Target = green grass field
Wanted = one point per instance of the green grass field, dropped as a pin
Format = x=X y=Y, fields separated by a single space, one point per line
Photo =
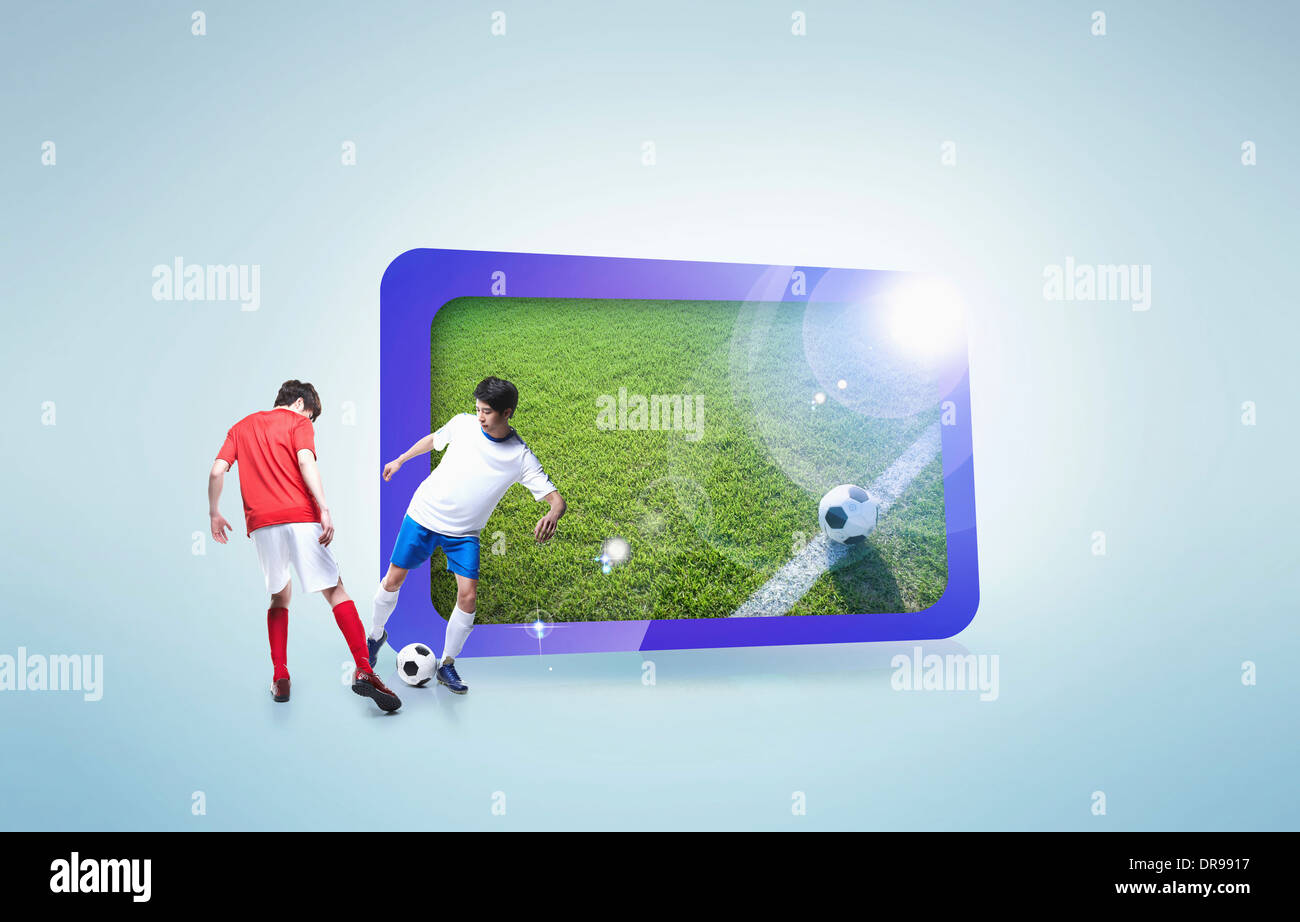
x=708 y=520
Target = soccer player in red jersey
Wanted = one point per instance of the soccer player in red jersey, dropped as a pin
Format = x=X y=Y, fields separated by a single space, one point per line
x=289 y=522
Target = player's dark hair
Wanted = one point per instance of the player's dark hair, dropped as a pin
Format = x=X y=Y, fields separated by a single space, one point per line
x=292 y=390
x=497 y=393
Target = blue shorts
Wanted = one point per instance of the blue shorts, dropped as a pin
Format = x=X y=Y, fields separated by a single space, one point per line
x=416 y=544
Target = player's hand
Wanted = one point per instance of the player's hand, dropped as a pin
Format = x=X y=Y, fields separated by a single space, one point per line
x=545 y=527
x=219 y=527
x=391 y=468
x=327 y=527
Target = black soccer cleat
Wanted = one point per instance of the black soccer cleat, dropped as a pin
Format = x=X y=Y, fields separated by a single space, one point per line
x=368 y=685
x=447 y=676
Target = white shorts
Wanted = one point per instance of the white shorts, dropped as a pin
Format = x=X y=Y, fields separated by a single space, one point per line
x=296 y=543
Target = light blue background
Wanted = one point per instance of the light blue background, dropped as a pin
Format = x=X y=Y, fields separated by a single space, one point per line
x=1118 y=673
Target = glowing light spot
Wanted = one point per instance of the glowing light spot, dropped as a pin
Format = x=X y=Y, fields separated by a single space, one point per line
x=819 y=398
x=841 y=384
x=617 y=550
x=925 y=317
x=612 y=553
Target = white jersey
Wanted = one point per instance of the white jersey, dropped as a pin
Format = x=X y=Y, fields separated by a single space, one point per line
x=460 y=493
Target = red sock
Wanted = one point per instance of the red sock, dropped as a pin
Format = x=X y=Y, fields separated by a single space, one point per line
x=277 y=630
x=349 y=622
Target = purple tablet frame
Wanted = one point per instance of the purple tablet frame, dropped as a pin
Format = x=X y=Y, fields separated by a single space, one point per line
x=418 y=282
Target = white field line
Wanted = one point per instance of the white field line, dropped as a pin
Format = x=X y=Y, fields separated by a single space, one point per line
x=788 y=585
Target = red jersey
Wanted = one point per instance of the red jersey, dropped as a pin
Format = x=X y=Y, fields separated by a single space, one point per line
x=266 y=445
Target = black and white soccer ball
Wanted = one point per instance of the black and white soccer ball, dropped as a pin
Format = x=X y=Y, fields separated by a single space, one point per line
x=415 y=664
x=847 y=514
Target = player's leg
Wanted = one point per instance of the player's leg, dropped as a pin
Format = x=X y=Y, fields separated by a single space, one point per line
x=349 y=622
x=384 y=603
x=319 y=572
x=462 y=616
x=277 y=632
x=282 y=598
x=413 y=546
x=274 y=556
x=462 y=561
x=459 y=624
x=364 y=680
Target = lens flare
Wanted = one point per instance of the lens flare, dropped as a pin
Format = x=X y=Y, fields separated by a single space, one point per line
x=925 y=317
x=613 y=552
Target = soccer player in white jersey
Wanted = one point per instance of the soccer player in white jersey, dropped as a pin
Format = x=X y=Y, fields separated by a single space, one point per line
x=485 y=455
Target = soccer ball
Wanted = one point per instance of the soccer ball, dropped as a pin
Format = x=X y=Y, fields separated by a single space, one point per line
x=848 y=514
x=415 y=664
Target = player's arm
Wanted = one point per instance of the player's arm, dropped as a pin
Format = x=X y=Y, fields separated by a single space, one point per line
x=217 y=521
x=546 y=524
x=311 y=477
x=422 y=447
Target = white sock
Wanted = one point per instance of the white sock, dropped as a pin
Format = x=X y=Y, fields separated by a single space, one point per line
x=385 y=602
x=458 y=627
